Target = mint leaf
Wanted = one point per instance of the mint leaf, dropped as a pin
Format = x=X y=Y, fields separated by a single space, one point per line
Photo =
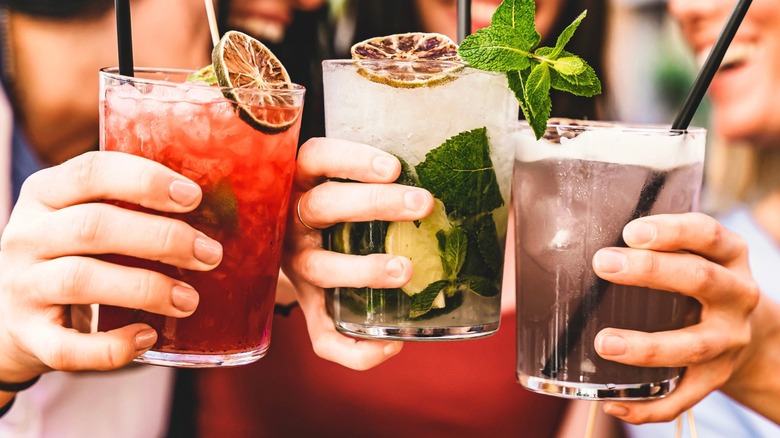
x=516 y=81
x=422 y=302
x=488 y=244
x=537 y=91
x=519 y=15
x=585 y=83
x=407 y=176
x=484 y=257
x=569 y=66
x=453 y=245
x=497 y=48
x=460 y=173
x=205 y=74
x=567 y=33
x=480 y=285
x=512 y=36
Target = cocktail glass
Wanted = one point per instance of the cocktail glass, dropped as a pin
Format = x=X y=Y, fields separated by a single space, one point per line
x=573 y=192
x=245 y=172
x=450 y=126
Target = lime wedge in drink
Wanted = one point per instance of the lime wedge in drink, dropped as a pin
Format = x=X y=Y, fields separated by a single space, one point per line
x=421 y=246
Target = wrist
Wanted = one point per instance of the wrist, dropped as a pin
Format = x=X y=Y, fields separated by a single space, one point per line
x=13 y=387
x=18 y=386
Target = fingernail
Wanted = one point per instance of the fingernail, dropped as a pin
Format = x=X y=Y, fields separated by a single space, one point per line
x=415 y=200
x=392 y=348
x=612 y=345
x=207 y=250
x=184 y=298
x=145 y=339
x=184 y=193
x=609 y=261
x=639 y=233
x=385 y=166
x=616 y=410
x=395 y=267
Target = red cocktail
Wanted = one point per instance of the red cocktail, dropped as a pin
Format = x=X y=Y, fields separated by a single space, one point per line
x=245 y=170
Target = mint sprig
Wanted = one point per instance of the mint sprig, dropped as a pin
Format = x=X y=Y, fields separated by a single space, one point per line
x=509 y=45
x=461 y=174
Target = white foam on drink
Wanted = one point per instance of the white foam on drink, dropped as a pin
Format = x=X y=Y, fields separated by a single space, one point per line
x=655 y=148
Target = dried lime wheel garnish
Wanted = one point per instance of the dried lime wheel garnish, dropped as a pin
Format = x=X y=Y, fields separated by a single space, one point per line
x=424 y=59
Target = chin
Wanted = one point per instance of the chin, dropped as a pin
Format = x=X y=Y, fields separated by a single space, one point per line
x=738 y=126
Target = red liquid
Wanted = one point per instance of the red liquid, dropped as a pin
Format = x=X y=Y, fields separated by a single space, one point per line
x=246 y=176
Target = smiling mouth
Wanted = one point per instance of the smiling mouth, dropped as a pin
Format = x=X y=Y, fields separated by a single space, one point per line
x=736 y=56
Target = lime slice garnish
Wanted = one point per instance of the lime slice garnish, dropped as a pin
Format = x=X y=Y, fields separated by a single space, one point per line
x=341 y=237
x=421 y=246
x=242 y=62
x=411 y=47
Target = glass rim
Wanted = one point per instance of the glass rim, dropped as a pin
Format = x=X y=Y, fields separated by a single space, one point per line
x=113 y=73
x=581 y=125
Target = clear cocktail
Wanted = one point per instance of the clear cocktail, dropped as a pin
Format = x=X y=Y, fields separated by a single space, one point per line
x=573 y=192
x=245 y=171
x=450 y=125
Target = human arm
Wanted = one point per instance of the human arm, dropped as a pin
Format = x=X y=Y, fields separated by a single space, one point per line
x=753 y=383
x=691 y=254
x=324 y=202
x=49 y=274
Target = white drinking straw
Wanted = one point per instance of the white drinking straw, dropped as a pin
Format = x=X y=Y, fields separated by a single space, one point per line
x=212 y=21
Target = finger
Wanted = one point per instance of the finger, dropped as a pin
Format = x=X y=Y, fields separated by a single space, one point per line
x=329 y=269
x=331 y=345
x=68 y=350
x=85 y=280
x=693 y=232
x=106 y=229
x=334 y=202
x=96 y=176
x=320 y=158
x=679 y=348
x=684 y=273
x=694 y=386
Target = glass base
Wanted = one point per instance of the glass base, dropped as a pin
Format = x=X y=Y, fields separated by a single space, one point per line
x=189 y=360
x=395 y=333
x=593 y=391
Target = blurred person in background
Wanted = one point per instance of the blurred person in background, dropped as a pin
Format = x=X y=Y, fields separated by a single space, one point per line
x=743 y=177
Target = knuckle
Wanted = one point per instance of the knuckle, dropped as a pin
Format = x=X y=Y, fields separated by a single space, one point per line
x=118 y=354
x=712 y=232
x=376 y=197
x=703 y=276
x=37 y=180
x=84 y=169
x=360 y=364
x=648 y=353
x=89 y=224
x=663 y=415
x=647 y=263
x=698 y=352
x=312 y=268
x=170 y=234
x=752 y=294
x=144 y=286
x=75 y=276
x=12 y=238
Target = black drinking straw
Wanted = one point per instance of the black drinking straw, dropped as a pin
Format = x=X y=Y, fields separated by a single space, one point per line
x=464 y=19
x=124 y=37
x=576 y=325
